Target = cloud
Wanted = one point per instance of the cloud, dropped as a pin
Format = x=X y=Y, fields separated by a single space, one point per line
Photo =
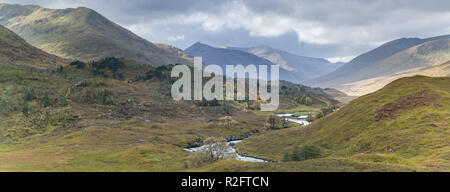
x=175 y=38
x=326 y=28
x=340 y=59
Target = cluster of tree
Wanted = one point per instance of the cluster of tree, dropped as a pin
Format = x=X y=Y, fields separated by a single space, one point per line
x=111 y=63
x=305 y=100
x=104 y=97
x=304 y=153
x=276 y=122
x=78 y=64
x=206 y=103
x=325 y=111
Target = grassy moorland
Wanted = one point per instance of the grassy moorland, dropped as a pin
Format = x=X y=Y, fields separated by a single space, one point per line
x=115 y=115
x=399 y=125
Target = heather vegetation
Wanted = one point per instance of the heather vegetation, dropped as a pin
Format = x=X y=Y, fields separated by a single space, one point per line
x=104 y=104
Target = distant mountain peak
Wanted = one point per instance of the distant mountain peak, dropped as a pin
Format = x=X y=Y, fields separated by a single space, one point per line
x=82 y=34
x=394 y=59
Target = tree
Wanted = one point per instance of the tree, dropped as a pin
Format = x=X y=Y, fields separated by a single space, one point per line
x=26 y=110
x=273 y=121
x=284 y=122
x=228 y=120
x=310 y=118
x=226 y=107
x=78 y=64
x=308 y=101
x=28 y=95
x=218 y=149
x=46 y=100
x=214 y=150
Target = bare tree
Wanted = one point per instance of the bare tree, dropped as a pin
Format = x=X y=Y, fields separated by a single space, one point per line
x=228 y=120
x=310 y=118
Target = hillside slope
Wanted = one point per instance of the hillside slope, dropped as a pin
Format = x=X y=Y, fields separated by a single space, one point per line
x=305 y=67
x=369 y=85
x=407 y=122
x=224 y=56
x=14 y=50
x=81 y=34
x=390 y=58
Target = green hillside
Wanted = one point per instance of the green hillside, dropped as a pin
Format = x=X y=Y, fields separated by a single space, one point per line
x=112 y=114
x=14 y=50
x=81 y=34
x=405 y=123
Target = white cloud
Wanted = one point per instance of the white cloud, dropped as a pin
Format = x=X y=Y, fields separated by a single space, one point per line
x=348 y=27
x=341 y=59
x=175 y=38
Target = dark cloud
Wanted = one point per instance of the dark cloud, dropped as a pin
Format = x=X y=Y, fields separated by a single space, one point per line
x=320 y=28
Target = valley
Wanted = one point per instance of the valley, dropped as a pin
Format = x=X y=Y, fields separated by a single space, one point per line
x=80 y=93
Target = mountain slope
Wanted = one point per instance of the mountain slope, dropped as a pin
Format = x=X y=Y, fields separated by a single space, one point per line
x=305 y=67
x=224 y=56
x=406 y=122
x=369 y=85
x=390 y=58
x=16 y=51
x=82 y=34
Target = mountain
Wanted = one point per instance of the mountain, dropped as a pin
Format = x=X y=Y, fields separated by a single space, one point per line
x=393 y=57
x=369 y=85
x=405 y=123
x=305 y=67
x=16 y=51
x=225 y=56
x=81 y=34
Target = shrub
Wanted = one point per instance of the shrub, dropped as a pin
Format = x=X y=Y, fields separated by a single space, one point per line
x=198 y=159
x=26 y=110
x=46 y=100
x=273 y=121
x=106 y=97
x=28 y=94
x=78 y=64
x=304 y=153
x=214 y=150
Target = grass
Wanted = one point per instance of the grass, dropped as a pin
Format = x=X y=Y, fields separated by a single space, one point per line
x=151 y=135
x=143 y=129
x=419 y=135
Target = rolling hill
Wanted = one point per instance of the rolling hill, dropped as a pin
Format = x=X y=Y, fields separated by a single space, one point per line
x=399 y=56
x=16 y=51
x=111 y=114
x=81 y=34
x=404 y=123
x=304 y=67
x=225 y=56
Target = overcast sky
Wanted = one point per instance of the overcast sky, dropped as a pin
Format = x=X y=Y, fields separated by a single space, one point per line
x=338 y=29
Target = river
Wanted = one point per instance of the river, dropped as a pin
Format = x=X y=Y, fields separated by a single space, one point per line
x=300 y=120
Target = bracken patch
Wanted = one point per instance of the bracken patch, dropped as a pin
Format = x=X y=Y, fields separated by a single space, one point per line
x=390 y=110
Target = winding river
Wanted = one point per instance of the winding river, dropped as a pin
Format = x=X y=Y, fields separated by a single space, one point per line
x=300 y=120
